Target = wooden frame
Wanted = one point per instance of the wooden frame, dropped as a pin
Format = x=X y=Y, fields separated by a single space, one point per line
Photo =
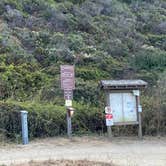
x=124 y=88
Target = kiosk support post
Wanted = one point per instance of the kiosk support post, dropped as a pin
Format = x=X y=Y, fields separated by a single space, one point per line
x=139 y=118
x=109 y=130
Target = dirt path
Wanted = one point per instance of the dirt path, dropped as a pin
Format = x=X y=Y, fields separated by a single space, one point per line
x=121 y=151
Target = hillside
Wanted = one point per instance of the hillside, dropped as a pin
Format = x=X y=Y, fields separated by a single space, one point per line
x=110 y=39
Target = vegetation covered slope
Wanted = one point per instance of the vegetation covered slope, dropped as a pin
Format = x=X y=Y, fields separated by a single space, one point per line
x=110 y=39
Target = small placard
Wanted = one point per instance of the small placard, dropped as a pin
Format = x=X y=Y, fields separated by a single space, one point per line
x=108 y=110
x=68 y=103
x=109 y=120
x=139 y=108
x=136 y=92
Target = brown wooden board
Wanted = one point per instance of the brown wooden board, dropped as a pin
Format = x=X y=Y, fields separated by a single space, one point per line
x=67 y=77
x=68 y=94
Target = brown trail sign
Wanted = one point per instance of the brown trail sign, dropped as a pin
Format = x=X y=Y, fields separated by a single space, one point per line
x=67 y=77
x=68 y=85
x=68 y=94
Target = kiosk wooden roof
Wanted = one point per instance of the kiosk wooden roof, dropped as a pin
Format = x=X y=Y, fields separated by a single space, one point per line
x=122 y=84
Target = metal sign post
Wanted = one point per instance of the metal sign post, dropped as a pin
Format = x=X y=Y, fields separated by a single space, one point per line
x=68 y=85
x=24 y=127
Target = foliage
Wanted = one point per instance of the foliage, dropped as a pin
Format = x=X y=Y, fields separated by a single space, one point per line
x=110 y=39
x=150 y=60
x=48 y=119
x=41 y=119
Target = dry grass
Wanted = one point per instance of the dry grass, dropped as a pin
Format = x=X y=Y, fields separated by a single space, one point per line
x=65 y=163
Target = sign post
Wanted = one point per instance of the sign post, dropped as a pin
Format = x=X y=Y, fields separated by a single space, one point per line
x=69 y=125
x=24 y=124
x=109 y=120
x=68 y=85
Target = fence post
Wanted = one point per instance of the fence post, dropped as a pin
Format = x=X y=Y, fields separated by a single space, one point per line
x=24 y=124
x=139 y=117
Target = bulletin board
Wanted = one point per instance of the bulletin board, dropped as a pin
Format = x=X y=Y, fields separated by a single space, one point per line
x=123 y=107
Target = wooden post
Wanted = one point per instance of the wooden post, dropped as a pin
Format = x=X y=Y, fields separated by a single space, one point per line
x=139 y=118
x=109 y=129
x=140 y=126
x=69 y=125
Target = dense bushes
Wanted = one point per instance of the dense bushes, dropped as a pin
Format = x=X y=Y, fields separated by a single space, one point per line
x=154 y=118
x=43 y=120
x=48 y=120
x=20 y=78
x=10 y=120
x=110 y=39
x=150 y=60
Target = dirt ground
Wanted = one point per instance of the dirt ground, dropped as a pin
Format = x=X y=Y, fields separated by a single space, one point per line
x=121 y=151
x=65 y=163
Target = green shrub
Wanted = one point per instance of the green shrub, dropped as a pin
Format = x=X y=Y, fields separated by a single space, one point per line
x=10 y=123
x=148 y=60
x=106 y=39
x=91 y=73
x=149 y=116
x=158 y=41
x=88 y=119
x=48 y=120
x=43 y=120
x=75 y=42
x=86 y=91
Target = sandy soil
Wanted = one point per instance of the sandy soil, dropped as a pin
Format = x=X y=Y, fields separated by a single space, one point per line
x=65 y=163
x=120 y=151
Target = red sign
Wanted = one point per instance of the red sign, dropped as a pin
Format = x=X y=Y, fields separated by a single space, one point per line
x=67 y=77
x=108 y=116
x=109 y=120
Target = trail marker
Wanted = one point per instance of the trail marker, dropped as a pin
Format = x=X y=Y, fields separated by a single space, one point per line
x=67 y=77
x=68 y=85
